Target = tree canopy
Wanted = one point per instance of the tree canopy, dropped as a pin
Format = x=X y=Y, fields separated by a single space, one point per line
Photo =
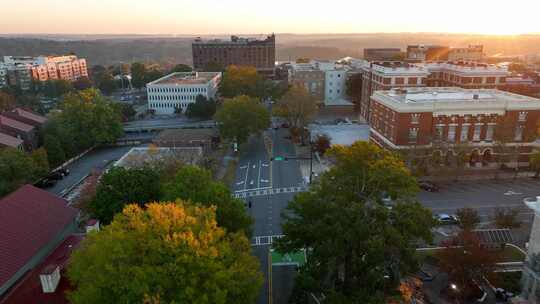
x=165 y=253
x=240 y=117
x=465 y=260
x=202 y=108
x=120 y=187
x=18 y=168
x=86 y=119
x=181 y=68
x=297 y=106
x=240 y=80
x=356 y=247
x=195 y=184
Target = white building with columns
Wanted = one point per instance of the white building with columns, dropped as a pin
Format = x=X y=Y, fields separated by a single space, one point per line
x=178 y=90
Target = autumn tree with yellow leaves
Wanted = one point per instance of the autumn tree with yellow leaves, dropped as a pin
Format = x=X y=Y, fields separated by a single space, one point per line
x=166 y=253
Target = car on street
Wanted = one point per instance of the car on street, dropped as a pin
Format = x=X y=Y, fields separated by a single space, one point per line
x=45 y=183
x=63 y=171
x=285 y=125
x=446 y=219
x=55 y=175
x=429 y=187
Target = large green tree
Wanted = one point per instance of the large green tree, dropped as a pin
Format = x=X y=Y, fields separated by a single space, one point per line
x=202 y=108
x=138 y=75
x=240 y=80
x=240 y=117
x=357 y=248
x=165 y=253
x=195 y=184
x=298 y=107
x=18 y=168
x=120 y=187
x=181 y=68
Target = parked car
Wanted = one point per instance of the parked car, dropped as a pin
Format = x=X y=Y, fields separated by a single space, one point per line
x=45 y=183
x=285 y=125
x=429 y=187
x=63 y=171
x=55 y=175
x=446 y=219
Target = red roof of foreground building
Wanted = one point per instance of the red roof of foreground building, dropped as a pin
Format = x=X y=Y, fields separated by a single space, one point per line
x=29 y=290
x=10 y=141
x=38 y=119
x=6 y=121
x=30 y=218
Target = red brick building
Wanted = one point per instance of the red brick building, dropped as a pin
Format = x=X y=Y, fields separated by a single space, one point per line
x=25 y=132
x=260 y=54
x=394 y=75
x=416 y=118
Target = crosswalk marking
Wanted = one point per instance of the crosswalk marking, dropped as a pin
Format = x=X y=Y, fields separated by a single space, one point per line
x=270 y=191
x=264 y=240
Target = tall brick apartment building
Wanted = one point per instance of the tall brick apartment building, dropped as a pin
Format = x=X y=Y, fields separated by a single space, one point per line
x=416 y=118
x=260 y=54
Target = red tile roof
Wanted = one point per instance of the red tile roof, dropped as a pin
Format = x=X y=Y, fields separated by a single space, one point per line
x=30 y=218
x=30 y=115
x=10 y=141
x=29 y=290
x=15 y=124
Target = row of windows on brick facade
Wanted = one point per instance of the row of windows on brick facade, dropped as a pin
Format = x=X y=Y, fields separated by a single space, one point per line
x=415 y=117
x=464 y=133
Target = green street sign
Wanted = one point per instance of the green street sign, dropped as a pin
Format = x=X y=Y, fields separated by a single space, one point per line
x=297 y=258
x=279 y=158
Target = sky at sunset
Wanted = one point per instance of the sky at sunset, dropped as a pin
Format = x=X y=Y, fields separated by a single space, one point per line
x=257 y=16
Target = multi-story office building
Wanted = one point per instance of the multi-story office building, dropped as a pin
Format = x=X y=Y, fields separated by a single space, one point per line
x=381 y=54
x=419 y=53
x=386 y=75
x=176 y=91
x=324 y=80
x=19 y=75
x=3 y=75
x=44 y=68
x=414 y=118
x=310 y=77
x=469 y=75
x=260 y=54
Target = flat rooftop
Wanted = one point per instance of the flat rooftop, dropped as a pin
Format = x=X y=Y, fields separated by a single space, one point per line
x=186 y=78
x=436 y=98
x=452 y=94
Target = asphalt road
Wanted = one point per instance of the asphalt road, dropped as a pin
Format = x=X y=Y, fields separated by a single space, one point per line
x=482 y=195
x=256 y=172
x=98 y=158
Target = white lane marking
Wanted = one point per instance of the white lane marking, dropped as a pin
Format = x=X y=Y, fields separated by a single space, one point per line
x=251 y=182
x=511 y=192
x=264 y=181
x=247 y=173
x=265 y=165
x=240 y=182
x=243 y=167
x=259 y=177
x=254 y=166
